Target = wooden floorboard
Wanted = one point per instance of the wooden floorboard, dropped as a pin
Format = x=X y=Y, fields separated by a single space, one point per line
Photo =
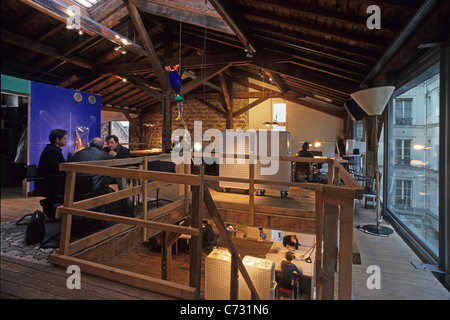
x=25 y=280
x=399 y=279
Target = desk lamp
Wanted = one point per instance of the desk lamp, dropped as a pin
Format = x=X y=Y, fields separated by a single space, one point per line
x=373 y=101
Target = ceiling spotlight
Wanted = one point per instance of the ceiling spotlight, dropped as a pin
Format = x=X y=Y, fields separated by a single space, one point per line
x=80 y=32
x=120 y=49
x=124 y=79
x=261 y=74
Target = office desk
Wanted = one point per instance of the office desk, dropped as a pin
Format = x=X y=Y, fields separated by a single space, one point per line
x=308 y=269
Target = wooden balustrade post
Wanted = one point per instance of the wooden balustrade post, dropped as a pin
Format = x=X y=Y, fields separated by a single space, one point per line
x=336 y=176
x=251 y=193
x=144 y=198
x=234 y=283
x=196 y=241
x=187 y=170
x=330 y=171
x=319 y=239
x=166 y=257
x=345 y=251
x=66 y=223
x=330 y=221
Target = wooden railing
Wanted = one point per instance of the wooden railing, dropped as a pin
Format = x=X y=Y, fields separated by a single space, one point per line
x=333 y=210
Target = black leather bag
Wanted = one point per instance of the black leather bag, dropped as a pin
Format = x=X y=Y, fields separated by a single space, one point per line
x=36 y=228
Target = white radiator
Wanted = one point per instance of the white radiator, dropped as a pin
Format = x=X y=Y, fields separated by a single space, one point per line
x=262 y=274
x=217 y=274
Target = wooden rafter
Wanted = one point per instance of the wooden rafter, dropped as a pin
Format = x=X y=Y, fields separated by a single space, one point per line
x=313 y=77
x=182 y=11
x=133 y=124
x=316 y=28
x=213 y=107
x=41 y=48
x=226 y=93
x=148 y=45
x=235 y=21
x=207 y=83
x=248 y=107
x=302 y=9
x=144 y=86
x=204 y=76
x=278 y=82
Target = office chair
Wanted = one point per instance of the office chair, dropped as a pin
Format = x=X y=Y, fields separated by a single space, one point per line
x=288 y=290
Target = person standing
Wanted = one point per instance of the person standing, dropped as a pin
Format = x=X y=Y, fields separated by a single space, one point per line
x=341 y=145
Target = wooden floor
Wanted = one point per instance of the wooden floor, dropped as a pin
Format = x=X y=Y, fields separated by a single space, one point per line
x=25 y=280
x=298 y=198
x=399 y=279
x=142 y=260
x=14 y=205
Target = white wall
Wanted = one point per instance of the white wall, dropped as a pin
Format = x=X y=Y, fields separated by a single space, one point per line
x=303 y=123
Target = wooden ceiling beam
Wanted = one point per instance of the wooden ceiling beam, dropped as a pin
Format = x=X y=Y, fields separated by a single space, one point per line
x=310 y=76
x=226 y=93
x=317 y=107
x=248 y=107
x=121 y=110
x=144 y=85
x=41 y=48
x=148 y=45
x=181 y=11
x=207 y=83
x=278 y=82
x=317 y=46
x=58 y=9
x=234 y=95
x=213 y=107
x=133 y=125
x=404 y=5
x=364 y=40
x=302 y=9
x=236 y=23
x=204 y=76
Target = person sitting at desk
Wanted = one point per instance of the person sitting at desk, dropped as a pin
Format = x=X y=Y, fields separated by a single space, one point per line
x=116 y=150
x=291 y=241
x=208 y=232
x=48 y=166
x=304 y=152
x=95 y=152
x=289 y=271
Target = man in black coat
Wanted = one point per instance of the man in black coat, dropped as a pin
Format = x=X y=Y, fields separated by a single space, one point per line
x=116 y=150
x=95 y=152
x=48 y=166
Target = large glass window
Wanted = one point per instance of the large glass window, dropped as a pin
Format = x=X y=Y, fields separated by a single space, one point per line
x=413 y=148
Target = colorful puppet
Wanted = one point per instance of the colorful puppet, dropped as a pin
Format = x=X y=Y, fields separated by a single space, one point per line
x=175 y=83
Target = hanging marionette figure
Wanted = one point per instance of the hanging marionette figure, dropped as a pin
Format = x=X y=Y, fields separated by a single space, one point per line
x=175 y=83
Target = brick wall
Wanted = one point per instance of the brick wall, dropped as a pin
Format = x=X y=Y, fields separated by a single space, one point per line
x=194 y=110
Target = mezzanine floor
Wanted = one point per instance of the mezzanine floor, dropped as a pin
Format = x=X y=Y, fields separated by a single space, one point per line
x=399 y=279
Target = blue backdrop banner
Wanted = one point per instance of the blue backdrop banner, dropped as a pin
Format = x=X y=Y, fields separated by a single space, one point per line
x=58 y=108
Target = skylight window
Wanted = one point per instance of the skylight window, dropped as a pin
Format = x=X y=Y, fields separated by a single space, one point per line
x=88 y=4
